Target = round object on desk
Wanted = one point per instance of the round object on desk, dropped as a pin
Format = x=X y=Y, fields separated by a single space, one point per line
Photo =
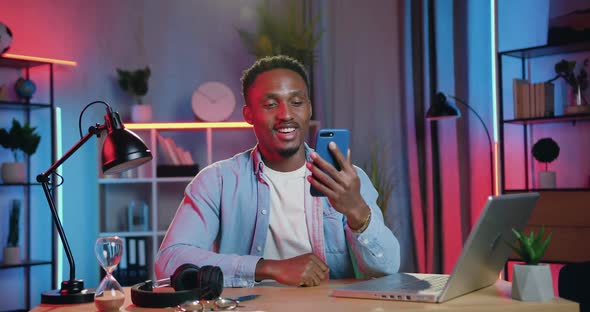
x=213 y=101
x=25 y=88
x=5 y=38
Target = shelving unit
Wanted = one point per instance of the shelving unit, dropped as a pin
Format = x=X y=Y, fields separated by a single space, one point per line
x=161 y=194
x=561 y=210
x=33 y=210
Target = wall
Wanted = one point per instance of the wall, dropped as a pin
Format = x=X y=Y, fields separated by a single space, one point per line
x=184 y=42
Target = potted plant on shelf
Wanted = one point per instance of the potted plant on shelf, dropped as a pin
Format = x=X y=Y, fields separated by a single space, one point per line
x=531 y=281
x=12 y=249
x=20 y=139
x=578 y=83
x=135 y=83
x=282 y=34
x=546 y=150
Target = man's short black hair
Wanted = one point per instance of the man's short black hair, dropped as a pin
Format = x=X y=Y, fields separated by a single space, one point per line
x=269 y=63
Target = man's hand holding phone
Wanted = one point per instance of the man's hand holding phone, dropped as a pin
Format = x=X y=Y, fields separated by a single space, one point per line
x=341 y=187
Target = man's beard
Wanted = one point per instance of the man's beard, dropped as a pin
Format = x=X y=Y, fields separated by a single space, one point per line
x=288 y=152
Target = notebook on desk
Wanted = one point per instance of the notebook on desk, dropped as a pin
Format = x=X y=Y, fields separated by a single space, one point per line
x=481 y=260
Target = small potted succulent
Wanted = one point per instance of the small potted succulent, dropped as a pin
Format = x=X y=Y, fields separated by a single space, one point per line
x=135 y=83
x=531 y=281
x=12 y=249
x=546 y=150
x=21 y=140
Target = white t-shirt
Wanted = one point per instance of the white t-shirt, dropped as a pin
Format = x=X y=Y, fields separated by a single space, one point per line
x=287 y=235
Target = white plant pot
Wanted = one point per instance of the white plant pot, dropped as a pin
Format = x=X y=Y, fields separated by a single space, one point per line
x=14 y=172
x=532 y=283
x=12 y=255
x=141 y=113
x=547 y=179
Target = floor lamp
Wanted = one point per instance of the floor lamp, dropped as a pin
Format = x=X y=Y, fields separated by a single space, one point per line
x=442 y=109
x=122 y=150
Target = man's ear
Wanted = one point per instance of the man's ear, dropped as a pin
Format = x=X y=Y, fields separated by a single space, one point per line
x=247 y=113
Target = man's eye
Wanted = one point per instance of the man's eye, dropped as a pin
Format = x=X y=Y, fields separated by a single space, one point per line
x=269 y=104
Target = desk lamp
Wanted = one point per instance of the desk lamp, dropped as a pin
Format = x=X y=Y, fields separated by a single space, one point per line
x=442 y=109
x=122 y=150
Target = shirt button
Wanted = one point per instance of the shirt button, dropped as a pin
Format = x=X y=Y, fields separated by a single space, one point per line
x=263 y=211
x=379 y=255
x=365 y=241
x=259 y=248
x=244 y=283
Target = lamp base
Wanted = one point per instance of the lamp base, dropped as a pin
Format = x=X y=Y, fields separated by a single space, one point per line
x=71 y=292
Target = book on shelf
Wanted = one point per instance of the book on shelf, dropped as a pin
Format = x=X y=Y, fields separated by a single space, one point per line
x=532 y=100
x=173 y=153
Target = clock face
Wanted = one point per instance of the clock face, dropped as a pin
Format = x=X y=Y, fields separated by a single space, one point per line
x=213 y=101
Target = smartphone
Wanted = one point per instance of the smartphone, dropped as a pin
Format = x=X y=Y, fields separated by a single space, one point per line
x=324 y=136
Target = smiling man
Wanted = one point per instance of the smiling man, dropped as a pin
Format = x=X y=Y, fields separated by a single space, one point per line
x=253 y=216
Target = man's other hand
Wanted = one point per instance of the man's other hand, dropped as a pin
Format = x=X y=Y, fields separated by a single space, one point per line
x=304 y=270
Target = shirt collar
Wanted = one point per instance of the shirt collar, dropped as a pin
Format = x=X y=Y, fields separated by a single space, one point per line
x=259 y=164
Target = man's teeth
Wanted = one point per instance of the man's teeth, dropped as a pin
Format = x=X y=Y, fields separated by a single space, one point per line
x=286 y=130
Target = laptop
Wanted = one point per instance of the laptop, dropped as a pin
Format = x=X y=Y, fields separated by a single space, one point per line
x=483 y=256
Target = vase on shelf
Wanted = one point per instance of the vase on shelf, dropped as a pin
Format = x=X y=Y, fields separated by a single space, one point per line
x=13 y=172
x=576 y=102
x=547 y=179
x=141 y=113
x=12 y=255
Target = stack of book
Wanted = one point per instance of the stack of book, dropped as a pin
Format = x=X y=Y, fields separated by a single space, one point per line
x=179 y=161
x=533 y=100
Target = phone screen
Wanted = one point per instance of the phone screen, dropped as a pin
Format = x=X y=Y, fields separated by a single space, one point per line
x=342 y=139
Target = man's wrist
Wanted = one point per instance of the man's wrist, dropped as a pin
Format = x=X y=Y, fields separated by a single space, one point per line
x=360 y=223
x=263 y=270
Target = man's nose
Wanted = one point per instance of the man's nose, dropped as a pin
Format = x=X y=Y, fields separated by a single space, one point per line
x=284 y=111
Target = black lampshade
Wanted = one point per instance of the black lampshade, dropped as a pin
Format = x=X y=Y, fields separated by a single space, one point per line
x=442 y=109
x=122 y=149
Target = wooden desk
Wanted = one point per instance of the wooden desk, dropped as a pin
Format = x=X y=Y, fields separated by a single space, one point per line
x=276 y=297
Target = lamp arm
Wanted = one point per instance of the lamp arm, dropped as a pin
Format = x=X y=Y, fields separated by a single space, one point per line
x=487 y=133
x=44 y=180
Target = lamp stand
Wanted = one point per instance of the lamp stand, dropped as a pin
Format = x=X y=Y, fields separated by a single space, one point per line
x=72 y=291
x=489 y=139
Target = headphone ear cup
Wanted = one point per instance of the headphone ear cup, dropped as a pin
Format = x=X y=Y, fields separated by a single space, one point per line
x=210 y=282
x=185 y=277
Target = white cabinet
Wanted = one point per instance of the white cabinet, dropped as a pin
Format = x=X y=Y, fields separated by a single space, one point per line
x=154 y=199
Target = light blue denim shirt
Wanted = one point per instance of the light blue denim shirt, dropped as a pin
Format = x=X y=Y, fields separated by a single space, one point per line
x=223 y=220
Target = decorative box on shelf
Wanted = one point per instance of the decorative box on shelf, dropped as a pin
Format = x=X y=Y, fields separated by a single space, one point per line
x=177 y=170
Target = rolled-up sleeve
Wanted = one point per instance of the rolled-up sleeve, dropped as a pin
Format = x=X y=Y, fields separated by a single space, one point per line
x=191 y=237
x=376 y=250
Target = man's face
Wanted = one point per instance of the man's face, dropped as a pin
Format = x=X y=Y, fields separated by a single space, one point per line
x=279 y=108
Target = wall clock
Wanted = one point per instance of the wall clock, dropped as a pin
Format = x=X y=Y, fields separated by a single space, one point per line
x=213 y=101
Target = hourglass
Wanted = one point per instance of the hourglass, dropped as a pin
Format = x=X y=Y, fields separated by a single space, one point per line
x=109 y=295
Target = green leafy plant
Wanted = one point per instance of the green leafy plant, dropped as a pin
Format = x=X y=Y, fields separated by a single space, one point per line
x=20 y=139
x=381 y=179
x=545 y=150
x=282 y=34
x=135 y=83
x=13 y=224
x=532 y=247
